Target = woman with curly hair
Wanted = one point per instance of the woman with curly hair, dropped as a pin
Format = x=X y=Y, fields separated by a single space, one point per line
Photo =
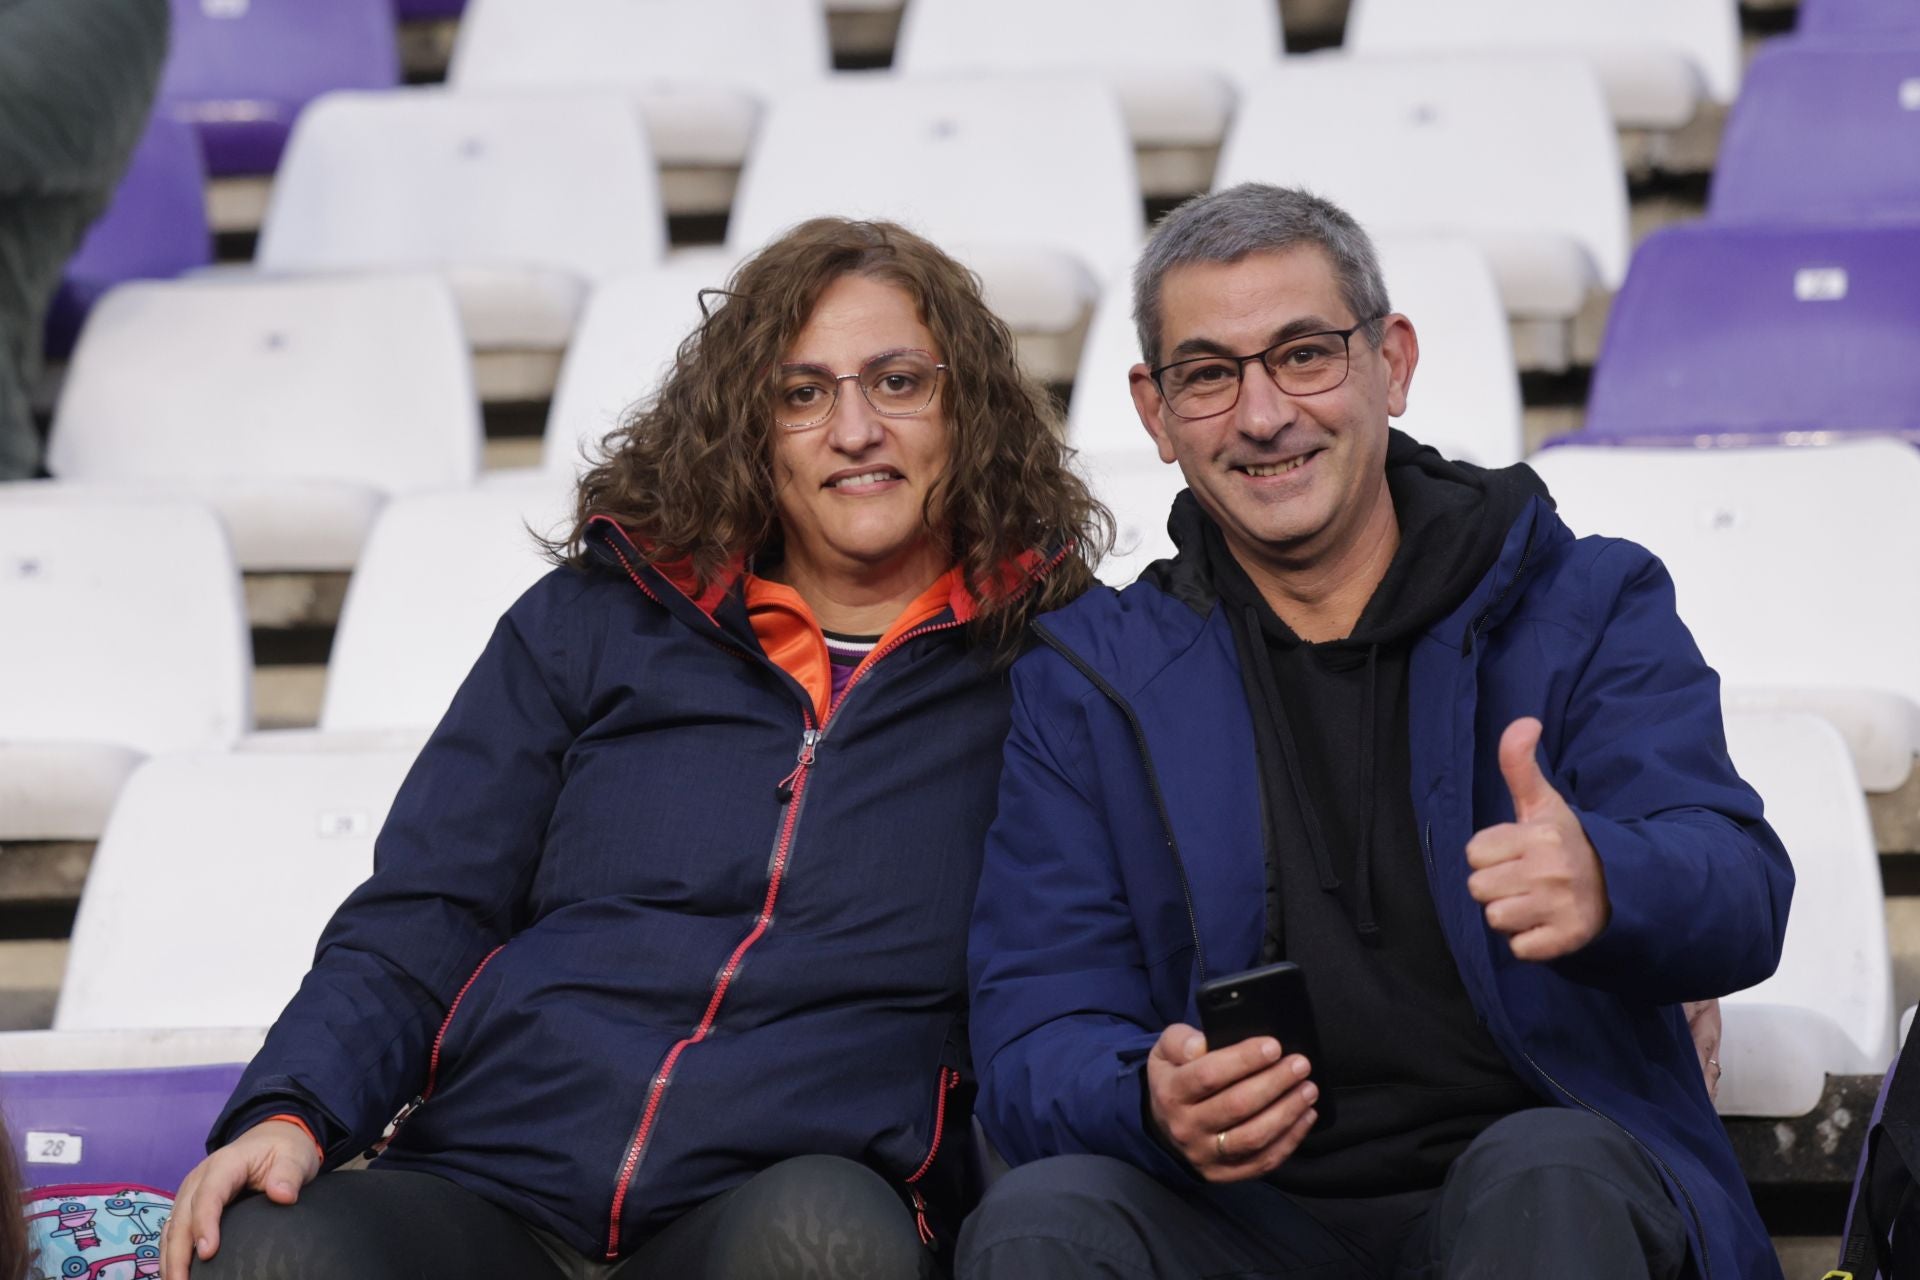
x=666 y=935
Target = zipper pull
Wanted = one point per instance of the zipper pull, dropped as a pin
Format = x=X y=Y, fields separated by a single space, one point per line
x=924 y=1227
x=393 y=1125
x=783 y=789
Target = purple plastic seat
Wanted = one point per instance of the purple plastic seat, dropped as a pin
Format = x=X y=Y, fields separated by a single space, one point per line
x=1824 y=131
x=1732 y=335
x=145 y=1125
x=1827 y=17
x=241 y=70
x=156 y=227
x=428 y=10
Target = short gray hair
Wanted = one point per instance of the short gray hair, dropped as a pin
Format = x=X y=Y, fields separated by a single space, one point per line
x=1255 y=217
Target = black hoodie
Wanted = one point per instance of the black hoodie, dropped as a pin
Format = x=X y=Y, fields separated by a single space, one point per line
x=1415 y=1075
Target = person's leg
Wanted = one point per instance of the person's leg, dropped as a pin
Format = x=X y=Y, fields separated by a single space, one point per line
x=1073 y=1216
x=808 y=1218
x=375 y=1224
x=1556 y=1192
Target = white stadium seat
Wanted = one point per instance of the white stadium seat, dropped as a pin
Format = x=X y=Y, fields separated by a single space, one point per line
x=294 y=407
x=1515 y=153
x=1794 y=569
x=438 y=571
x=1173 y=65
x=142 y=1047
x=126 y=635
x=521 y=200
x=213 y=881
x=1139 y=489
x=628 y=335
x=1028 y=180
x=1657 y=59
x=698 y=72
x=1828 y=1009
x=1466 y=393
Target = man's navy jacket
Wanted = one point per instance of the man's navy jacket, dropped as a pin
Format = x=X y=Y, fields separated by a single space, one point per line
x=1126 y=863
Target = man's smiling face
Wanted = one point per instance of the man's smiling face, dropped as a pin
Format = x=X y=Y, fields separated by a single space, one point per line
x=1290 y=480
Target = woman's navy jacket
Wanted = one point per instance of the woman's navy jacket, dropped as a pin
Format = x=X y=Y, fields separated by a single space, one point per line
x=1127 y=860
x=639 y=926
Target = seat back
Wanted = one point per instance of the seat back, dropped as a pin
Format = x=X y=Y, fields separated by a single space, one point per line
x=1444 y=144
x=1824 y=133
x=1737 y=335
x=429 y=179
x=362 y=379
x=134 y=1126
x=417 y=615
x=213 y=881
x=241 y=71
x=1139 y=489
x=155 y=227
x=1015 y=162
x=947 y=36
x=125 y=622
x=624 y=347
x=648 y=45
x=1835 y=961
x=1466 y=392
x=1793 y=567
x=1845 y=17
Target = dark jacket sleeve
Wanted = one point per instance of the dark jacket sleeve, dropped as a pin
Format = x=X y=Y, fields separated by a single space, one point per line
x=1063 y=1017
x=1698 y=883
x=451 y=869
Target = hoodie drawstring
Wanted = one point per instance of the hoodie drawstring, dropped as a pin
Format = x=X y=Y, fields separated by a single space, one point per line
x=1363 y=918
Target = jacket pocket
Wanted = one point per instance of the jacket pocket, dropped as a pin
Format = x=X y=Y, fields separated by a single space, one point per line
x=441 y=1051
x=943 y=1114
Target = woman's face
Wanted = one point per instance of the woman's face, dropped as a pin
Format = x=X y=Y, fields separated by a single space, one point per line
x=851 y=490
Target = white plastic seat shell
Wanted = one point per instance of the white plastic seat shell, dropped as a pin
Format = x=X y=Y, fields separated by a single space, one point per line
x=219 y=872
x=1792 y=567
x=293 y=406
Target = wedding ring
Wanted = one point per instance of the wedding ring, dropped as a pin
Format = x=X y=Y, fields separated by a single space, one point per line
x=1220 y=1143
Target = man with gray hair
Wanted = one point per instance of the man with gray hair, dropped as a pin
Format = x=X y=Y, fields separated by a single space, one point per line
x=1385 y=717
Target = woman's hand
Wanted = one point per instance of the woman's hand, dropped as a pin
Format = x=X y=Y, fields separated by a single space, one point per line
x=273 y=1157
x=1703 y=1020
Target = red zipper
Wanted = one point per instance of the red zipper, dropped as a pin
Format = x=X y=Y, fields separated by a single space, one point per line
x=949 y=1081
x=433 y=1063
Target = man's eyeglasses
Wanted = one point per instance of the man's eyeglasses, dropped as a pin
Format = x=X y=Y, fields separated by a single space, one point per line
x=898 y=384
x=1303 y=366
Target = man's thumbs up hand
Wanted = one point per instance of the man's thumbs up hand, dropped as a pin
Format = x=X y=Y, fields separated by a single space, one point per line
x=1537 y=877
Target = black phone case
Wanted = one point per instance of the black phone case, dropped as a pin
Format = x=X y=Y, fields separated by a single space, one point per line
x=1269 y=1001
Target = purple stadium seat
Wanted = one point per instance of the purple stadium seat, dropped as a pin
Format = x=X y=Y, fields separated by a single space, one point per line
x=145 y=1125
x=1734 y=335
x=156 y=227
x=241 y=70
x=1824 y=131
x=428 y=10
x=1828 y=17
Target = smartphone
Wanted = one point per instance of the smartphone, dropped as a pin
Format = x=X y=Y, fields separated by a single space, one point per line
x=1269 y=1001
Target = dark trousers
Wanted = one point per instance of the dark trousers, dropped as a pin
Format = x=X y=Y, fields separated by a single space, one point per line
x=808 y=1218
x=1548 y=1192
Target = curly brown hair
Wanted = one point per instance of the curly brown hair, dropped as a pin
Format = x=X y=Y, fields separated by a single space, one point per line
x=689 y=472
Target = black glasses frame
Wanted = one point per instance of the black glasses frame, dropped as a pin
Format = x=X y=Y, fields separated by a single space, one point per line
x=1240 y=368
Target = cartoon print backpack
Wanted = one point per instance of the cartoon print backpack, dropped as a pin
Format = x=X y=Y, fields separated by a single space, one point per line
x=95 y=1231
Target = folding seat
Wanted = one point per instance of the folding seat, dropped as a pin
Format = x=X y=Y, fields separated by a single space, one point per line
x=625 y=345
x=698 y=72
x=1847 y=17
x=1028 y=180
x=241 y=71
x=438 y=571
x=1828 y=1009
x=211 y=885
x=1657 y=59
x=131 y=1107
x=1466 y=392
x=1139 y=489
x=156 y=227
x=1824 y=132
x=521 y=200
x=1793 y=568
x=293 y=406
x=1173 y=66
x=1516 y=153
x=1735 y=335
x=125 y=635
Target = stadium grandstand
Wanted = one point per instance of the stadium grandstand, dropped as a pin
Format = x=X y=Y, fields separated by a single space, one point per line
x=381 y=271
